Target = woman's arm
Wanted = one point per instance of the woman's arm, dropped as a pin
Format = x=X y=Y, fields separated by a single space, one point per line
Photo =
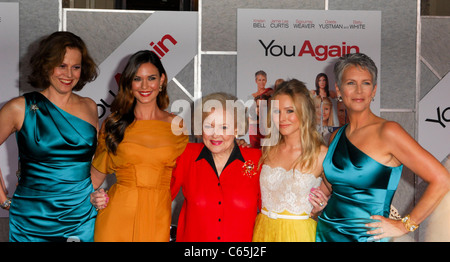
x=319 y=196
x=422 y=163
x=408 y=152
x=12 y=115
x=99 y=198
x=97 y=177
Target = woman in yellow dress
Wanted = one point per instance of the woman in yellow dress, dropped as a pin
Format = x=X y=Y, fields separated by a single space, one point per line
x=291 y=169
x=137 y=143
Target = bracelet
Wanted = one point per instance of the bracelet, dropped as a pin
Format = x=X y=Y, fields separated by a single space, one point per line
x=409 y=224
x=6 y=204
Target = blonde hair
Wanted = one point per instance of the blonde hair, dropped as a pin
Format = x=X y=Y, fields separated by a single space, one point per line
x=310 y=139
x=325 y=101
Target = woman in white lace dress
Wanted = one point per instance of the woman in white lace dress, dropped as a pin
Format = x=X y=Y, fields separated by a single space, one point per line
x=291 y=169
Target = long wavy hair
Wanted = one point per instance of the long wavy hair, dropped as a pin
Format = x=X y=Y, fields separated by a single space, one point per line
x=310 y=139
x=122 y=108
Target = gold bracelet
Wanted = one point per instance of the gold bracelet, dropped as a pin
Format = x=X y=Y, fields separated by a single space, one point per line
x=409 y=224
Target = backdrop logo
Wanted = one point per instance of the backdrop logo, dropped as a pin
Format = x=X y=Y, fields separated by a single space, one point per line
x=319 y=52
x=440 y=117
x=170 y=35
x=160 y=47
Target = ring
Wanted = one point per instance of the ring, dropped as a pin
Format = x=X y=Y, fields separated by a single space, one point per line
x=321 y=204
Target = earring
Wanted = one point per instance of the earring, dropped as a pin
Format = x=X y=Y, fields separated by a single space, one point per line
x=373 y=98
x=339 y=98
x=160 y=88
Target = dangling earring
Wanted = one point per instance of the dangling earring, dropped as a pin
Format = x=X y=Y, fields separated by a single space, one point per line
x=339 y=98
x=160 y=88
x=373 y=98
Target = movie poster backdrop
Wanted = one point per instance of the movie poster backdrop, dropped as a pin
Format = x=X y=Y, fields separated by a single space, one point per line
x=304 y=44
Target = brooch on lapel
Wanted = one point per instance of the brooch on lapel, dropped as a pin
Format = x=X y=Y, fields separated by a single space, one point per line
x=34 y=107
x=248 y=169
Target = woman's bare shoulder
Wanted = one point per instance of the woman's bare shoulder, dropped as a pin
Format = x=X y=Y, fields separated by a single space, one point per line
x=15 y=105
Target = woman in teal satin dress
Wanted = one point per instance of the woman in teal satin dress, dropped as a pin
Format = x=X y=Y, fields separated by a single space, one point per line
x=56 y=132
x=364 y=163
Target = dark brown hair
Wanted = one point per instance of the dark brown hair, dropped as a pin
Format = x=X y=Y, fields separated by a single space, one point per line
x=327 y=89
x=122 y=108
x=50 y=54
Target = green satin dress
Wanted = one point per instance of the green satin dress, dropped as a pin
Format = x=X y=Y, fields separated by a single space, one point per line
x=51 y=202
x=362 y=187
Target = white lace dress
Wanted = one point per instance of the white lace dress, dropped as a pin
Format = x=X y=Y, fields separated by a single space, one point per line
x=285 y=206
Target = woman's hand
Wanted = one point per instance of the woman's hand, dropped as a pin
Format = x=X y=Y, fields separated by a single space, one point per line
x=386 y=227
x=99 y=199
x=2 y=183
x=318 y=199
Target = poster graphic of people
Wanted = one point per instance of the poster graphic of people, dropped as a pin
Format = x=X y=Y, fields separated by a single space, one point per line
x=278 y=45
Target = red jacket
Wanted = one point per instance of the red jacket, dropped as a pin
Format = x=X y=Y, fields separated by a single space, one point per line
x=217 y=209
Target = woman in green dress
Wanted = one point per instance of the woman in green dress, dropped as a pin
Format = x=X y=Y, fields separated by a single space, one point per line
x=56 y=133
x=364 y=163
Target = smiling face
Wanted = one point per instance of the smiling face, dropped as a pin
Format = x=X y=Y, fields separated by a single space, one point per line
x=261 y=81
x=357 y=88
x=219 y=132
x=66 y=75
x=146 y=83
x=322 y=82
x=284 y=116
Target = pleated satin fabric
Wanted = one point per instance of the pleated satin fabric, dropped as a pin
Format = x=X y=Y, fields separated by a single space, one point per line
x=362 y=187
x=51 y=202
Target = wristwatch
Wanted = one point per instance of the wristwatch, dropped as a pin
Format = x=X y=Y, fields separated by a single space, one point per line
x=6 y=204
x=409 y=224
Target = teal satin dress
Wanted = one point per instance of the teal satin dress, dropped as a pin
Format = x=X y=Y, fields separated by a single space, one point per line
x=362 y=187
x=51 y=202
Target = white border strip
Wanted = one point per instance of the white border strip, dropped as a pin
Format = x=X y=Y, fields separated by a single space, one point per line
x=434 y=16
x=417 y=179
x=60 y=15
x=63 y=16
x=182 y=88
x=396 y=110
x=198 y=57
x=108 y=10
x=430 y=67
x=219 y=52
x=418 y=73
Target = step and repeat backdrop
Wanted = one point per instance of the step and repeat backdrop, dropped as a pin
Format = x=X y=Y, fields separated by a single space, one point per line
x=285 y=44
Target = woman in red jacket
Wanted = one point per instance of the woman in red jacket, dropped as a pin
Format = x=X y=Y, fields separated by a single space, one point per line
x=219 y=179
